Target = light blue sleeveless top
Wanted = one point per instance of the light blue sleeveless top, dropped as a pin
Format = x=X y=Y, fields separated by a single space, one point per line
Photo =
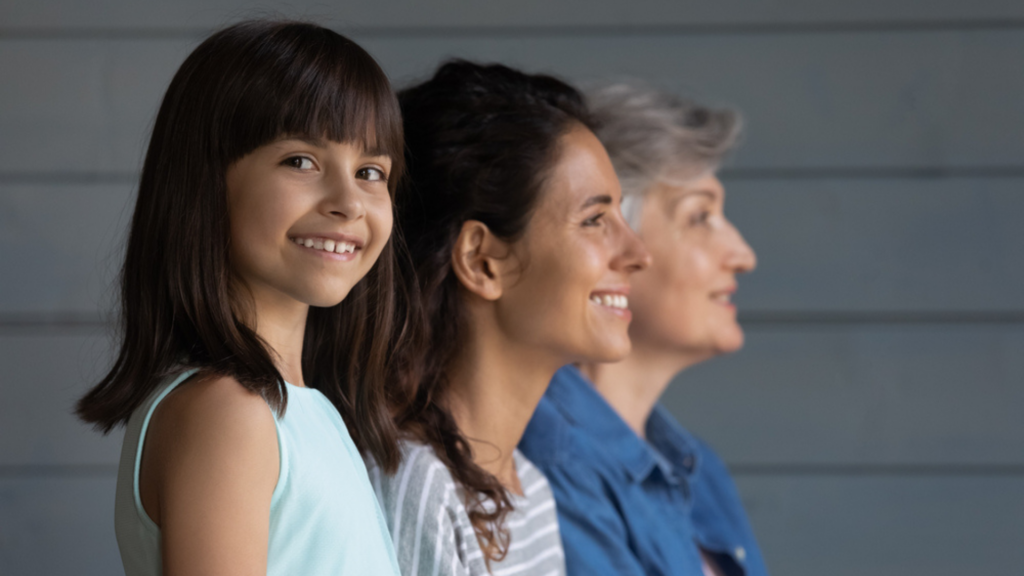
x=324 y=516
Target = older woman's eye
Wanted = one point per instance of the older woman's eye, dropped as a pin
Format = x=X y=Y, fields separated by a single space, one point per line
x=372 y=174
x=299 y=163
x=700 y=218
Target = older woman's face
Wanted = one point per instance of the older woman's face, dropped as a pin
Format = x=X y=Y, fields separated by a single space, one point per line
x=682 y=302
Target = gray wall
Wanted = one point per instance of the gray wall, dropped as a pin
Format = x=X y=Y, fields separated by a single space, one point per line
x=874 y=420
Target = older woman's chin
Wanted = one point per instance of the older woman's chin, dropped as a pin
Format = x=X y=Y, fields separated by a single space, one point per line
x=731 y=342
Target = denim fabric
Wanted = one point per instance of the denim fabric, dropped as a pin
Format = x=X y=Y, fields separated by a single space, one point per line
x=627 y=506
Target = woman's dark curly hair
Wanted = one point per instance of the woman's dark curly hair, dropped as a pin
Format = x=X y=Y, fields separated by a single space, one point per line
x=480 y=141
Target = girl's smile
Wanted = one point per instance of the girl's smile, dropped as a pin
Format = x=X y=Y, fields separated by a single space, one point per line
x=300 y=208
x=338 y=247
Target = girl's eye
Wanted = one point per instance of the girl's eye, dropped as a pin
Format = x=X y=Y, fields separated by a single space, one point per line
x=372 y=174
x=594 y=220
x=299 y=163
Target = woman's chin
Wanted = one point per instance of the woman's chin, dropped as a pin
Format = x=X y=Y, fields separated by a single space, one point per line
x=611 y=351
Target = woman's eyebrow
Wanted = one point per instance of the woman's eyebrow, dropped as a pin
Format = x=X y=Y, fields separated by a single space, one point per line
x=600 y=199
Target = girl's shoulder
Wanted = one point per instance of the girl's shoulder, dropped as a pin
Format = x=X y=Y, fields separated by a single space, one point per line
x=213 y=420
x=213 y=403
x=202 y=436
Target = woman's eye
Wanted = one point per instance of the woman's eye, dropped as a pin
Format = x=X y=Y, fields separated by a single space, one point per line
x=299 y=163
x=372 y=174
x=593 y=220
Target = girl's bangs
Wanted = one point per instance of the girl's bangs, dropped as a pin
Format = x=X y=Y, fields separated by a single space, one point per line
x=329 y=89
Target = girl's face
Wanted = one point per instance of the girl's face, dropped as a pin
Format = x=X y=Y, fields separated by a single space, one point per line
x=682 y=303
x=308 y=219
x=577 y=255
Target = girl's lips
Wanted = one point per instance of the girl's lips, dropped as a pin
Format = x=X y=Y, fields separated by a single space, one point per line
x=326 y=247
x=335 y=237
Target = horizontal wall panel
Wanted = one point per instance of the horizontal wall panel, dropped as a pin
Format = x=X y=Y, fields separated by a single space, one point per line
x=887 y=526
x=948 y=396
x=893 y=246
x=60 y=248
x=868 y=101
x=824 y=246
x=107 y=14
x=847 y=396
x=44 y=375
x=58 y=525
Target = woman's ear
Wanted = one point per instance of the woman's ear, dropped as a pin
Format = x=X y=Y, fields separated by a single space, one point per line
x=477 y=259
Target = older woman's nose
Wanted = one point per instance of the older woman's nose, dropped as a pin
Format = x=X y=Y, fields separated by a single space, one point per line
x=740 y=257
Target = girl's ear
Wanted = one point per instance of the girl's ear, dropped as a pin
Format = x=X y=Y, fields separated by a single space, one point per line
x=478 y=259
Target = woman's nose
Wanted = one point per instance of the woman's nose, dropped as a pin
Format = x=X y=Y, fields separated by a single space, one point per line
x=635 y=256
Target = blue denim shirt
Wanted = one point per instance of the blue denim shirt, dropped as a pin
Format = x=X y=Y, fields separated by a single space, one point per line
x=632 y=507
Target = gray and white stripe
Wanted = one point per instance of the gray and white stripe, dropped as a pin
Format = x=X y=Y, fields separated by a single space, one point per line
x=433 y=535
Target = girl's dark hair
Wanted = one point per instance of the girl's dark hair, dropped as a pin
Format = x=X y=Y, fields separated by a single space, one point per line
x=242 y=88
x=480 y=141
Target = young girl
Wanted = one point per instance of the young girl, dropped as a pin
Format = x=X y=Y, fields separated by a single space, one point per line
x=264 y=202
x=523 y=262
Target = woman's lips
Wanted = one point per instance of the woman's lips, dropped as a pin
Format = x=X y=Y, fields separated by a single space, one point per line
x=615 y=302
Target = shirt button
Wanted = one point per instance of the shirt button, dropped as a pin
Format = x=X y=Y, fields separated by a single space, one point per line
x=740 y=553
x=688 y=462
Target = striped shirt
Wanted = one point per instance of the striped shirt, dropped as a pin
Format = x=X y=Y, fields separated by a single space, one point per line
x=432 y=532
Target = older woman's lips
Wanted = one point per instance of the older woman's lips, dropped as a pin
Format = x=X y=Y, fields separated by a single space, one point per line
x=724 y=298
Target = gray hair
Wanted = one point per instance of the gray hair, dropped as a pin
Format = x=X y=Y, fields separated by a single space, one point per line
x=653 y=136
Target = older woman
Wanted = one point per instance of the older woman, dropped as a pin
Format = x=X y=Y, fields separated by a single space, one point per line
x=637 y=493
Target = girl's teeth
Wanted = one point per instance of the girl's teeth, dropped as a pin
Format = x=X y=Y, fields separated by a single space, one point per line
x=326 y=244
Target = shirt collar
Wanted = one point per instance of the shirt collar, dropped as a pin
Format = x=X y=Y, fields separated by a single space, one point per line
x=673 y=441
x=580 y=403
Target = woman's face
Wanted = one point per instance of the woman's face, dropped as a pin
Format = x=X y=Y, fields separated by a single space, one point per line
x=576 y=255
x=308 y=219
x=682 y=303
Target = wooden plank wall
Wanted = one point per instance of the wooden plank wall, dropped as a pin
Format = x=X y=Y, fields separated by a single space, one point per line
x=874 y=420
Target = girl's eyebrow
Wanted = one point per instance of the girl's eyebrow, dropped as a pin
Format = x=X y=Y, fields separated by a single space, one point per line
x=315 y=142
